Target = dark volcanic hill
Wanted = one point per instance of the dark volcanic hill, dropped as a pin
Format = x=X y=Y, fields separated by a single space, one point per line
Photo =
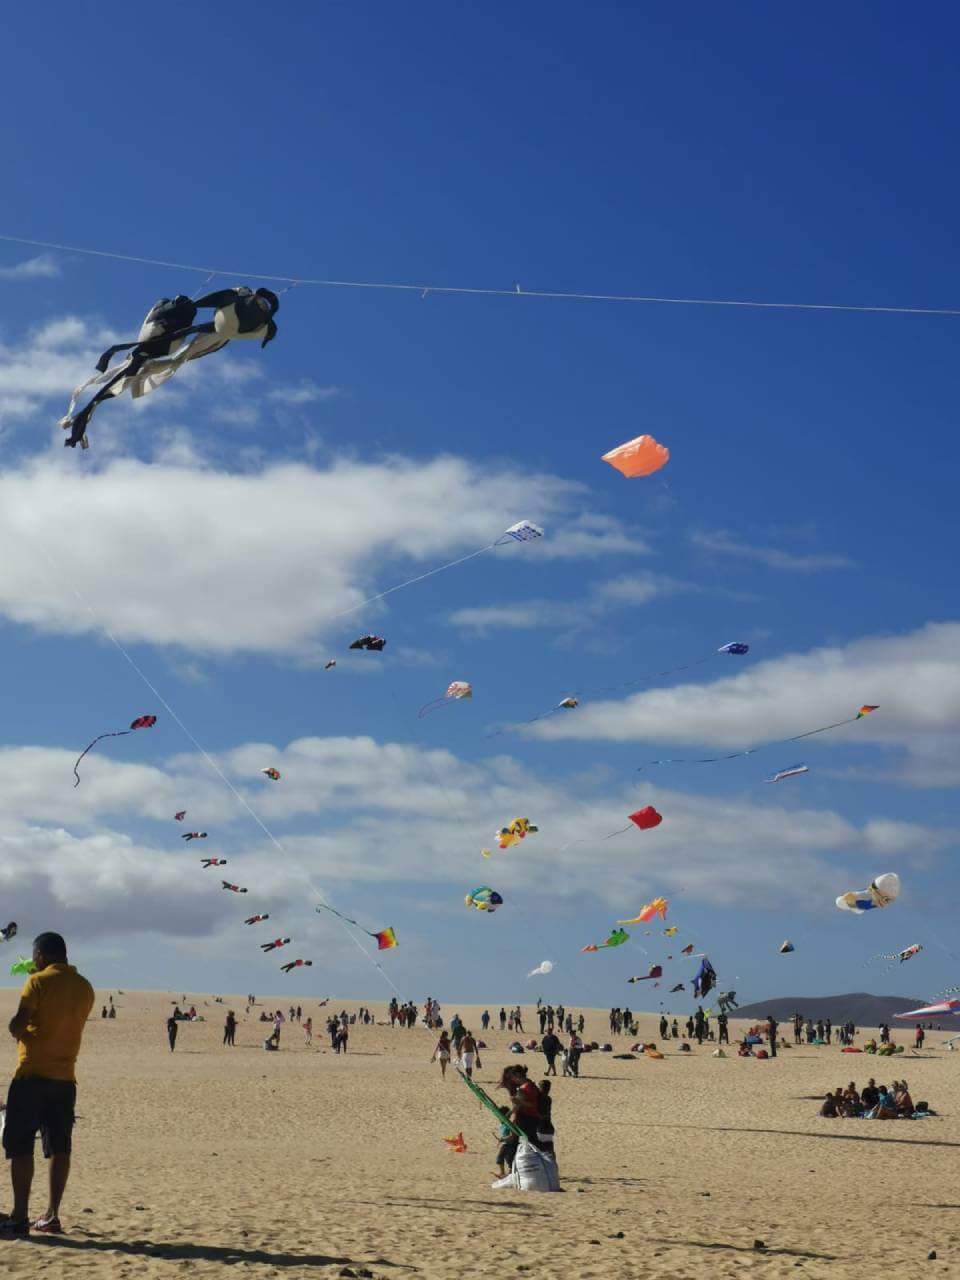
x=858 y=1007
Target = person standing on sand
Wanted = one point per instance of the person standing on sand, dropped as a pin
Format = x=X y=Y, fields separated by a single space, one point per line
x=503 y=1019
x=772 y=1025
x=485 y=1020
x=48 y=1026
x=550 y=1046
x=308 y=1031
x=229 y=1027
x=173 y=1026
x=723 y=1035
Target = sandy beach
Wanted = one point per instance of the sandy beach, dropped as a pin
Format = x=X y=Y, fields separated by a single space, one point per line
x=302 y=1163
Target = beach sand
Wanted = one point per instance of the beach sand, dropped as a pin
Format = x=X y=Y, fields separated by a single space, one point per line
x=302 y=1163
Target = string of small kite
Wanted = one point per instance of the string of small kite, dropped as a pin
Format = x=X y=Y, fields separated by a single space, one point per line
x=470 y=291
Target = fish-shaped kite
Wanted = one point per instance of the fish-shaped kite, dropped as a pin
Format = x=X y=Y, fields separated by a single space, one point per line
x=658 y=907
x=655 y=972
x=616 y=939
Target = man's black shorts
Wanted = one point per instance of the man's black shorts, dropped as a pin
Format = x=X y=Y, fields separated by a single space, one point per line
x=39 y=1104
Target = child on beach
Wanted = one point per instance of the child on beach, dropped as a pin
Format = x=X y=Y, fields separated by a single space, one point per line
x=545 y=1130
x=504 y=1141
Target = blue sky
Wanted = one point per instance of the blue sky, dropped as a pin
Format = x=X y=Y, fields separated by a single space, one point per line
x=809 y=506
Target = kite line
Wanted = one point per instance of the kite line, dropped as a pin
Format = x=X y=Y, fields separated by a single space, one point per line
x=118 y=645
x=865 y=710
x=470 y=291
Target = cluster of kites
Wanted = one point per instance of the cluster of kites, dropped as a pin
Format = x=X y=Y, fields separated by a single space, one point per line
x=169 y=338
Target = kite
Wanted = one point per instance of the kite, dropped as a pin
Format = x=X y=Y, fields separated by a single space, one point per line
x=160 y=349
x=941 y=1010
x=899 y=956
x=678 y=987
x=194 y=835
x=180 y=815
x=705 y=979
x=275 y=945
x=213 y=862
x=735 y=647
x=865 y=710
x=882 y=891
x=374 y=644
x=457 y=691
x=489 y=1103
x=671 y=931
x=646 y=819
x=727 y=1000
x=457 y=1144
x=386 y=938
x=658 y=907
x=484 y=899
x=234 y=888
x=297 y=964
x=542 y=969
x=522 y=531
x=515 y=831
x=256 y=919
x=273 y=774
x=22 y=965
x=655 y=972
x=141 y=722
x=790 y=772
x=328 y=666
x=616 y=939
x=639 y=457
x=687 y=950
x=9 y=932
x=786 y=947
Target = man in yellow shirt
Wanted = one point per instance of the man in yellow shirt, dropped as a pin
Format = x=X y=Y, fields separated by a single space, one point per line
x=54 y=1005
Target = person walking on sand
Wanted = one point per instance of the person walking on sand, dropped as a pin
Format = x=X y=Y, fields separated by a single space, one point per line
x=308 y=1031
x=550 y=1046
x=48 y=1026
x=173 y=1026
x=468 y=1054
x=442 y=1052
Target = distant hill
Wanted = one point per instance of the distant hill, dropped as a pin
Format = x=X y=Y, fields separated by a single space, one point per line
x=858 y=1007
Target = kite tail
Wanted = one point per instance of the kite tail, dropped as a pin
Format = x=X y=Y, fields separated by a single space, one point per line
x=122 y=733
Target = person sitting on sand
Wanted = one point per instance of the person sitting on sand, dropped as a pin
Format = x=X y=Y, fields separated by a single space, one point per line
x=442 y=1051
x=886 y=1108
x=828 y=1108
x=870 y=1094
x=902 y=1098
x=851 y=1100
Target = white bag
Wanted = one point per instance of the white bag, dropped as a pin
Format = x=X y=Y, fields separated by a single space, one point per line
x=533 y=1170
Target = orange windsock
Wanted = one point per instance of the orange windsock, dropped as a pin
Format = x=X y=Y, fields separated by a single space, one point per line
x=639 y=457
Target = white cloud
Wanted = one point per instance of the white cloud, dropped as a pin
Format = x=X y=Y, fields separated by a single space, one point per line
x=50 y=361
x=915 y=679
x=421 y=823
x=634 y=589
x=43 y=267
x=722 y=543
x=305 y=392
x=171 y=555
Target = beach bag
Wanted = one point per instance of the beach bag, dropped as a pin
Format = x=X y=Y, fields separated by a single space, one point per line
x=532 y=1170
x=516 y=1047
x=761 y=1053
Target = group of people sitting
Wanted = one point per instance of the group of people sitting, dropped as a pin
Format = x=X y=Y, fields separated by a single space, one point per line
x=874 y=1102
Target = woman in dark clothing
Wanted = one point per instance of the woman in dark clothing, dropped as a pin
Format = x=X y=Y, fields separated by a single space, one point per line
x=524 y=1107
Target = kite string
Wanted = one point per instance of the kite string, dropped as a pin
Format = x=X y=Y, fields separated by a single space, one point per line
x=516 y=291
x=452 y=564
x=85 y=604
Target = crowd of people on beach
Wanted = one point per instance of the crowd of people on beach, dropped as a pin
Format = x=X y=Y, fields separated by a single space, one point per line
x=874 y=1102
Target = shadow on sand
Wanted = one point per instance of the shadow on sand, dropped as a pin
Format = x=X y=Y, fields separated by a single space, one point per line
x=183 y=1251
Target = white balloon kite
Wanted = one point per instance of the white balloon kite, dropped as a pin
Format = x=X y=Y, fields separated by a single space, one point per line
x=882 y=891
x=544 y=967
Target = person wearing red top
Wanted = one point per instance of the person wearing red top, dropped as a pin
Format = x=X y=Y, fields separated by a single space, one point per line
x=524 y=1108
